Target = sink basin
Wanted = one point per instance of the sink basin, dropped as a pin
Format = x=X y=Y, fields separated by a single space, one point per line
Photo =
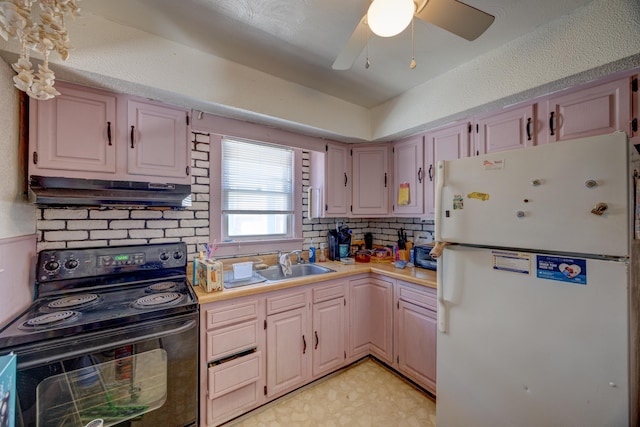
x=274 y=274
x=230 y=282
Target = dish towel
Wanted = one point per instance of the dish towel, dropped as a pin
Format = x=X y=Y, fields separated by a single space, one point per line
x=285 y=264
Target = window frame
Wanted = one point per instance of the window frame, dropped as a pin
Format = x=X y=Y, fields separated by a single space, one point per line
x=249 y=247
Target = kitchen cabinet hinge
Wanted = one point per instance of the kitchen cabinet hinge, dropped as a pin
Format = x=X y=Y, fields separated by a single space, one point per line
x=634 y=85
x=345 y=354
x=265 y=390
x=398 y=359
x=187 y=120
x=265 y=324
x=634 y=125
x=398 y=303
x=345 y=302
x=35 y=157
x=326 y=147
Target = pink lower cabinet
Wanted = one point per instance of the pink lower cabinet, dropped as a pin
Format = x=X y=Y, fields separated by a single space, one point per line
x=329 y=328
x=289 y=342
x=415 y=334
x=232 y=348
x=370 y=318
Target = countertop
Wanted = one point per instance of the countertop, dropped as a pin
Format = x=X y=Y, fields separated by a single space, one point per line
x=414 y=275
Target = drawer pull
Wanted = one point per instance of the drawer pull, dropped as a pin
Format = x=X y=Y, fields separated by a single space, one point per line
x=232 y=357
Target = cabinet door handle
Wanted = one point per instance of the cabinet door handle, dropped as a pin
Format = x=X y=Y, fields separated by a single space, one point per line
x=132 y=129
x=304 y=345
x=109 y=132
x=529 y=129
x=551 y=123
x=385 y=180
x=345 y=179
x=431 y=173
x=317 y=340
x=420 y=175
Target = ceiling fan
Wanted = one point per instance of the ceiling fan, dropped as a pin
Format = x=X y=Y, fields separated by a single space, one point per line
x=394 y=15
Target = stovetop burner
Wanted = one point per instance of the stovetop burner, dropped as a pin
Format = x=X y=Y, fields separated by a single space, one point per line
x=155 y=300
x=162 y=287
x=75 y=301
x=49 y=320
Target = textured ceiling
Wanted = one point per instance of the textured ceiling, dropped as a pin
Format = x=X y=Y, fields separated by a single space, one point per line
x=298 y=40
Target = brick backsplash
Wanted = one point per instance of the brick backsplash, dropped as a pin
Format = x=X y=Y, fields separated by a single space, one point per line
x=85 y=227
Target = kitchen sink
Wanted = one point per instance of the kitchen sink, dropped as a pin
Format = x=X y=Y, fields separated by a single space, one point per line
x=274 y=274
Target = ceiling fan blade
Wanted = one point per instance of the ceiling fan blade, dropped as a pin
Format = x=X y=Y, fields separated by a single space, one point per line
x=353 y=48
x=456 y=17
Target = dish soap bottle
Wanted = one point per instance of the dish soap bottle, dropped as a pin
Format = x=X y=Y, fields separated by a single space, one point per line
x=312 y=252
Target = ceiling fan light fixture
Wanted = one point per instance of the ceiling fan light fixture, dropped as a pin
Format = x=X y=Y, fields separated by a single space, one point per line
x=388 y=18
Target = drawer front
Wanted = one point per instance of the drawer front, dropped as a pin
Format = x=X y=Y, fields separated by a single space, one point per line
x=422 y=297
x=286 y=301
x=327 y=292
x=229 y=313
x=223 y=342
x=235 y=403
x=233 y=375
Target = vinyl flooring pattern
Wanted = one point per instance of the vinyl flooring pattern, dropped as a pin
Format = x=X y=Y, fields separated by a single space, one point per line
x=365 y=395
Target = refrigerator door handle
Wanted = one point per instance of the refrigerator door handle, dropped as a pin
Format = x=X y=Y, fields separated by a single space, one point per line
x=438 y=202
x=442 y=304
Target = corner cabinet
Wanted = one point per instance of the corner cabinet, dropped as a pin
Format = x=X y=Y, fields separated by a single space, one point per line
x=371 y=318
x=371 y=180
x=415 y=334
x=94 y=134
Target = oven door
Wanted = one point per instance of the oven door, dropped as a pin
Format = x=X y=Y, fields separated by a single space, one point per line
x=139 y=375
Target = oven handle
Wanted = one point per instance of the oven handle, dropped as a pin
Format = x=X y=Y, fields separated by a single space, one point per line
x=111 y=344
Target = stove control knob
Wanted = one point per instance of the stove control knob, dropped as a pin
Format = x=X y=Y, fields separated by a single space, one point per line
x=52 y=266
x=164 y=256
x=71 y=264
x=178 y=255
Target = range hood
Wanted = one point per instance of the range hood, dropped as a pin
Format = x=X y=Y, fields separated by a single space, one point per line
x=57 y=191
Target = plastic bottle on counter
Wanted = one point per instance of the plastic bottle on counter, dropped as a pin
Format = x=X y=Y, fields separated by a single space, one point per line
x=312 y=252
x=322 y=257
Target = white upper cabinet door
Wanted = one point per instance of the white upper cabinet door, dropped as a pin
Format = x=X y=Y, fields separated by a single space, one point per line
x=338 y=185
x=157 y=143
x=448 y=143
x=590 y=111
x=371 y=180
x=74 y=132
x=408 y=177
x=507 y=130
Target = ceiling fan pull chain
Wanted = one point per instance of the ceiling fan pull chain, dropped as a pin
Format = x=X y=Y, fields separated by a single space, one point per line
x=412 y=65
x=367 y=64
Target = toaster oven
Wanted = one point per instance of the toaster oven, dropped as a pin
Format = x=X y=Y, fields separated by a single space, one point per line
x=422 y=259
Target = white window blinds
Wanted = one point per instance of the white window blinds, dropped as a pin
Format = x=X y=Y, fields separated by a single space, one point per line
x=257 y=189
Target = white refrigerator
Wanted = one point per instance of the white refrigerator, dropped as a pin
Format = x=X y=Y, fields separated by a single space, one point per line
x=538 y=295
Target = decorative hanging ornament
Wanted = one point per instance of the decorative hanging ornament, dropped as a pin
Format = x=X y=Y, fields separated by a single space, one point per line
x=41 y=29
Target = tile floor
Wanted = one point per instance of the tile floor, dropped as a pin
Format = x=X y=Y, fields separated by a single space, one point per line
x=365 y=395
